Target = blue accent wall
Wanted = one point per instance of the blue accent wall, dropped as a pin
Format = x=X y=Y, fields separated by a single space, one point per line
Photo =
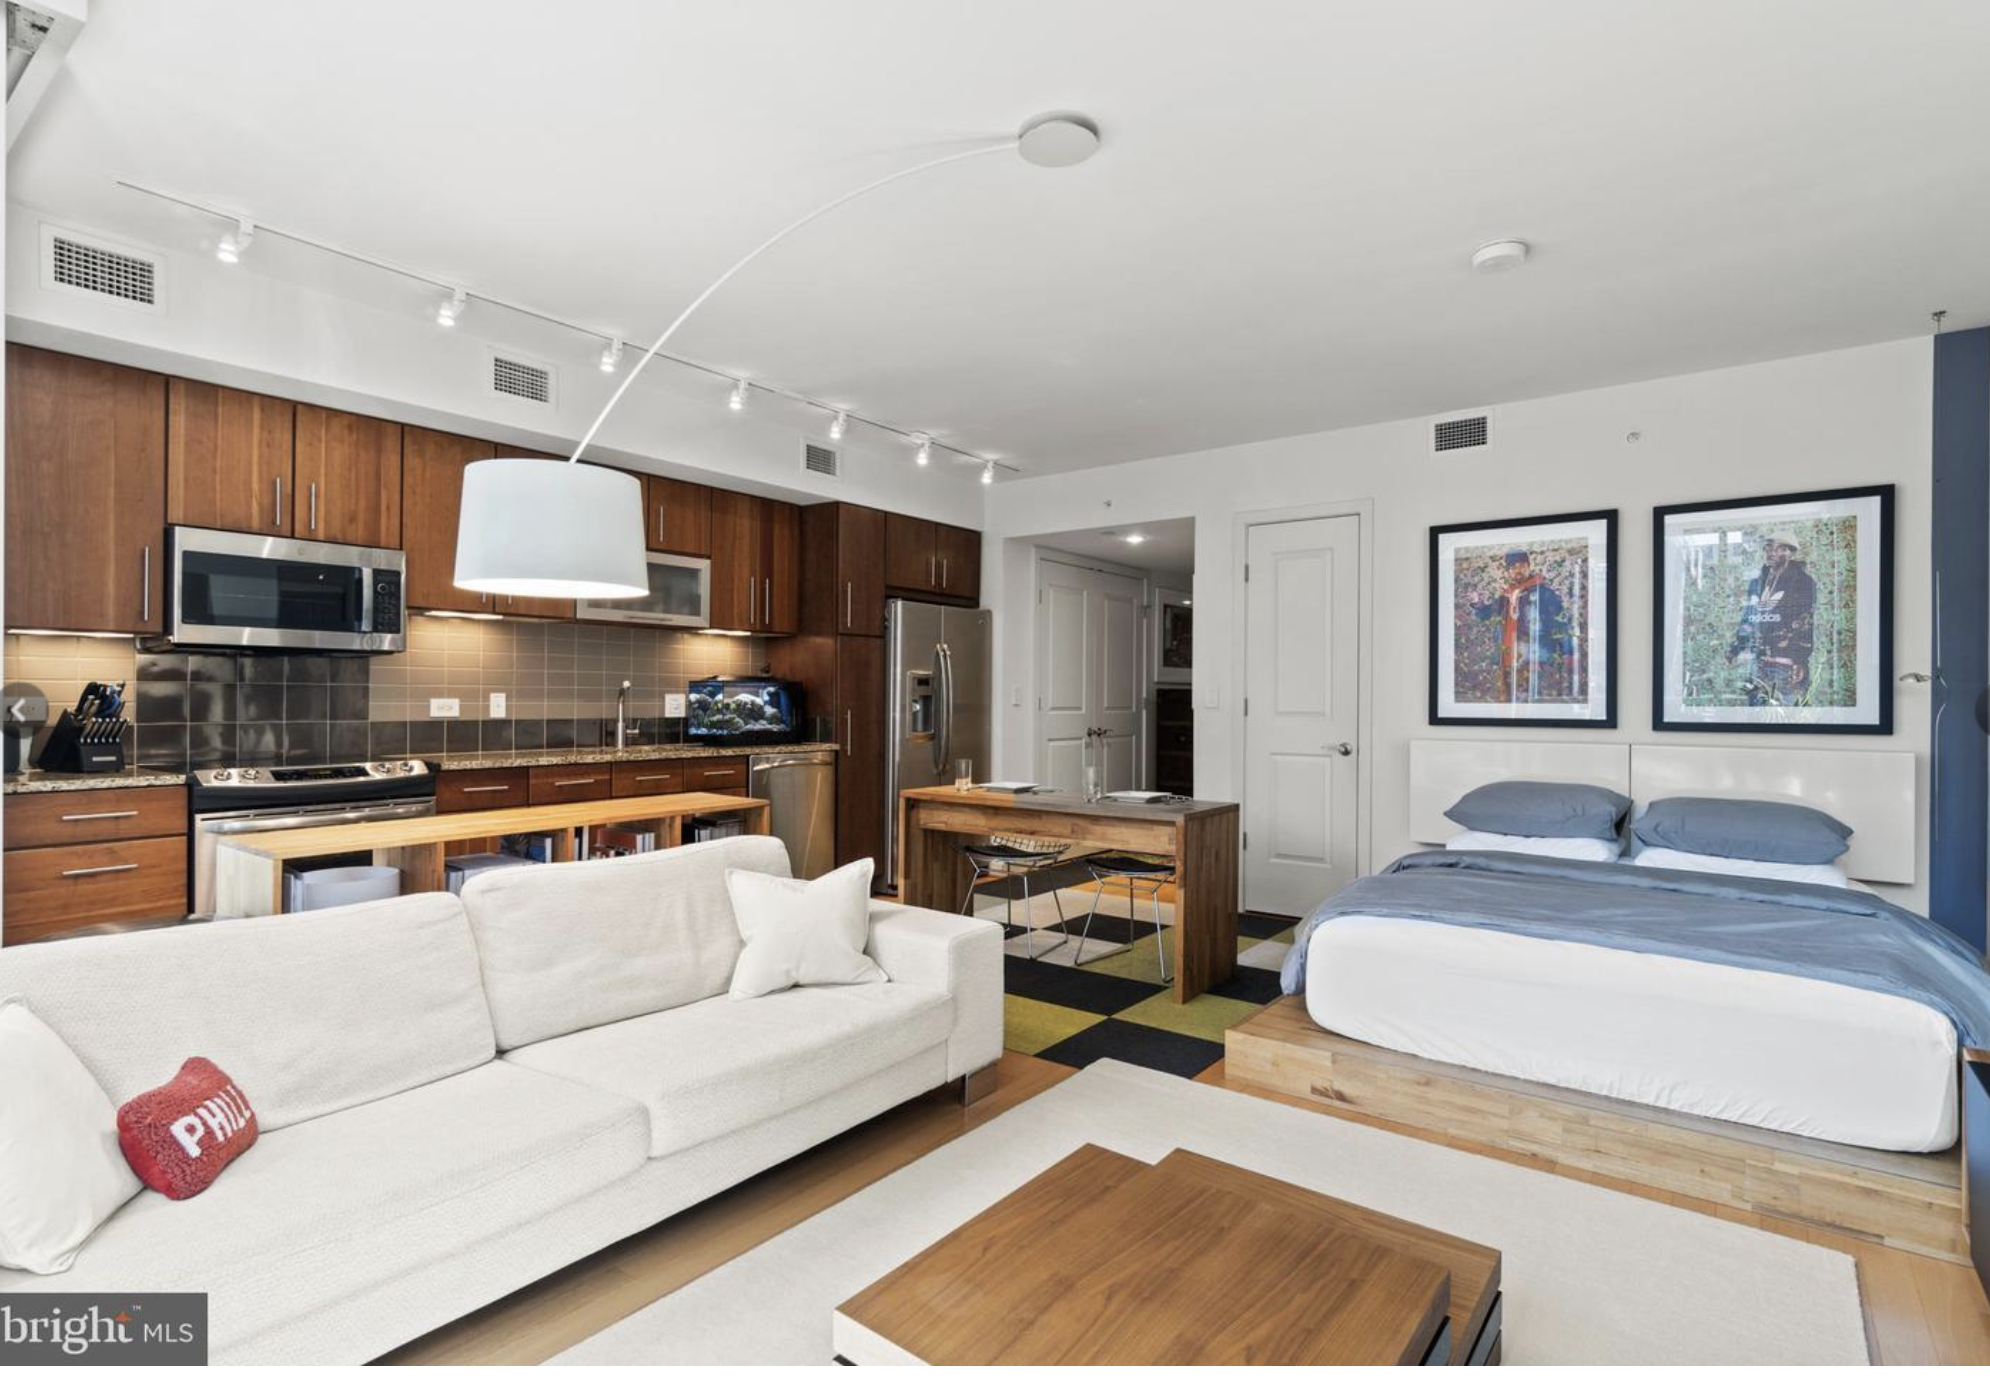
x=1959 y=750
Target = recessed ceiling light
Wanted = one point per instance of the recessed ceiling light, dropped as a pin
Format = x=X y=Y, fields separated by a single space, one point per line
x=1496 y=256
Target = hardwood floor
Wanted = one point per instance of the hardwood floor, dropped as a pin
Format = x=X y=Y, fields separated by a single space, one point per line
x=1919 y=1311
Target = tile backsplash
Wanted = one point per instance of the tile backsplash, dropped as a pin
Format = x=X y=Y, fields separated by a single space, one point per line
x=196 y=710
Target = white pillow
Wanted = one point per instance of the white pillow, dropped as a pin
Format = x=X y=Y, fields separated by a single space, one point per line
x=61 y=1171
x=800 y=933
x=1552 y=846
x=1656 y=857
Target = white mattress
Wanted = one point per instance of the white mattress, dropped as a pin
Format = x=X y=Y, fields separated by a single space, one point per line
x=1803 y=1056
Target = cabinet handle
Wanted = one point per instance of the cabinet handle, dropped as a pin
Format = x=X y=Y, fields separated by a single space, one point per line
x=100 y=815
x=145 y=588
x=752 y=588
x=653 y=776
x=932 y=565
x=498 y=787
x=314 y=509
x=943 y=572
x=849 y=730
x=849 y=603
x=276 y=517
x=767 y=601
x=659 y=523
x=578 y=782
x=101 y=869
x=722 y=772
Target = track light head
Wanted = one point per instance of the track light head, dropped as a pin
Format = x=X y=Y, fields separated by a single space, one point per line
x=737 y=400
x=231 y=246
x=611 y=356
x=925 y=454
x=839 y=426
x=451 y=309
x=987 y=473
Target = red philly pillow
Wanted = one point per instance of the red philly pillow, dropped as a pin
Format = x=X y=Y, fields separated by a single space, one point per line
x=179 y=1136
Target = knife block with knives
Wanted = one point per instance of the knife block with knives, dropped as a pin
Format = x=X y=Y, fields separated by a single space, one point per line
x=90 y=737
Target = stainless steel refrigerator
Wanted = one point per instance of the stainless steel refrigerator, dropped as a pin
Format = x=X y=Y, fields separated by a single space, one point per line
x=940 y=665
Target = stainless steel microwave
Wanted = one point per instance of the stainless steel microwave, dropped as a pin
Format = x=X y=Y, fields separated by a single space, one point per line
x=680 y=596
x=230 y=589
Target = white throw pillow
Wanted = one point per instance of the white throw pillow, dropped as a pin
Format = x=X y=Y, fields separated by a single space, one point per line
x=1656 y=857
x=802 y=933
x=1551 y=846
x=61 y=1171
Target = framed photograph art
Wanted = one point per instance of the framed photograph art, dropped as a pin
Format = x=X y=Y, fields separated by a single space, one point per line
x=1523 y=622
x=1174 y=647
x=1774 y=613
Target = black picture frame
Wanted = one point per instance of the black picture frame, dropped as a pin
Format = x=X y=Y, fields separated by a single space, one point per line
x=1439 y=624
x=1662 y=651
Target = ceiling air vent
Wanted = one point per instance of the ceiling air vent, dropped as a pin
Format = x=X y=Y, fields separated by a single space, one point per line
x=93 y=266
x=520 y=379
x=1460 y=432
x=820 y=459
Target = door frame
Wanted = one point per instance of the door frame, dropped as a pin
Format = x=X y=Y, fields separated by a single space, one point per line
x=1363 y=512
x=1040 y=553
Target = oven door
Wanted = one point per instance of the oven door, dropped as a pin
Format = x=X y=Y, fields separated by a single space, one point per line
x=680 y=596
x=235 y=590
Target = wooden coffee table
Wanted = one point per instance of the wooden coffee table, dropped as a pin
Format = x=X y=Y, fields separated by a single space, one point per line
x=1105 y=1260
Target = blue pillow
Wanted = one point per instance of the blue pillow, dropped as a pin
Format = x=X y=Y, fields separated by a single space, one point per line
x=1566 y=810
x=1775 y=831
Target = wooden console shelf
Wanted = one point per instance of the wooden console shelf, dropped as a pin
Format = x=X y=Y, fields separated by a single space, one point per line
x=248 y=869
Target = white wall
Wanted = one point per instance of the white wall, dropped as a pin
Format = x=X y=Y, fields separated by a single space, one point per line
x=241 y=327
x=1833 y=420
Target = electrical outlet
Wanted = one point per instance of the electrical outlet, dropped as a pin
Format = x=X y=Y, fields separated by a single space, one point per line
x=497 y=704
x=444 y=708
x=673 y=707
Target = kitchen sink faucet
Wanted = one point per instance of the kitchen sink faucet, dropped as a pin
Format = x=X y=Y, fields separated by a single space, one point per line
x=622 y=716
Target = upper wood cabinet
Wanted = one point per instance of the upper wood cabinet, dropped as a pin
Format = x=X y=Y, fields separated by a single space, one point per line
x=678 y=516
x=229 y=459
x=348 y=478
x=756 y=563
x=86 y=494
x=926 y=557
x=842 y=563
x=432 y=465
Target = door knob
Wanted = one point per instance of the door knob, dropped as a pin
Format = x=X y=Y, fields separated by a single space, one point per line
x=1346 y=750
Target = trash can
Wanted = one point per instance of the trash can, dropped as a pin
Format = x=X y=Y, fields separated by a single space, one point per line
x=358 y=883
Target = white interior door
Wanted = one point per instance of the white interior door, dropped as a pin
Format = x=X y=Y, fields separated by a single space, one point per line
x=1091 y=673
x=1301 y=707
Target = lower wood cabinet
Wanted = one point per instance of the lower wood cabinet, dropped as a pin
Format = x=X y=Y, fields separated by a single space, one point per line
x=571 y=782
x=80 y=859
x=479 y=790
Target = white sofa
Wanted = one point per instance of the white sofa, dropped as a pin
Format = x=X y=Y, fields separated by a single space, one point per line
x=459 y=1097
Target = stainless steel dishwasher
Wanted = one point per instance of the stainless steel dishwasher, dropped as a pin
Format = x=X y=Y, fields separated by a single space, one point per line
x=800 y=790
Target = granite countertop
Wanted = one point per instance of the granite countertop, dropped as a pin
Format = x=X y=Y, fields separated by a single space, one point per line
x=38 y=781
x=649 y=752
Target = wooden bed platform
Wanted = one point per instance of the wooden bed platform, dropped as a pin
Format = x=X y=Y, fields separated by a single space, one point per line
x=1907 y=1201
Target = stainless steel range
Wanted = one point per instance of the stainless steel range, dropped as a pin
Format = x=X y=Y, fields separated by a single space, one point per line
x=242 y=800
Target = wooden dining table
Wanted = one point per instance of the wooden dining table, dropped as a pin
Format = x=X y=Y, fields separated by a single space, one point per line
x=1200 y=836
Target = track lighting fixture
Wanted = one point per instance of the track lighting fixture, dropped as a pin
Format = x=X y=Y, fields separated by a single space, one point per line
x=234 y=243
x=737 y=400
x=611 y=356
x=839 y=425
x=925 y=454
x=987 y=473
x=447 y=312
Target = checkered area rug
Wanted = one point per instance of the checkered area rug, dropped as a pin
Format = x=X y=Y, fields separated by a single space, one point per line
x=1110 y=1002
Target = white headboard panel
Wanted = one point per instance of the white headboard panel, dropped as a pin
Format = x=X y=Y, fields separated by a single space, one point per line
x=1444 y=769
x=1872 y=792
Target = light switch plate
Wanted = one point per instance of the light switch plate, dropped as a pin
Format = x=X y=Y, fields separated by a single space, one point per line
x=444 y=708
x=673 y=707
x=497 y=704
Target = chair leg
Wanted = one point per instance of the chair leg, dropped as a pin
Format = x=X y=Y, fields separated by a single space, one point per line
x=1098 y=892
x=967 y=903
x=1160 y=942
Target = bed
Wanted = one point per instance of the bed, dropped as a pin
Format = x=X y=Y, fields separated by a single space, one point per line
x=1847 y=1060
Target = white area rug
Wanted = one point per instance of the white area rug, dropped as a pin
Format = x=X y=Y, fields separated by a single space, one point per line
x=1591 y=1276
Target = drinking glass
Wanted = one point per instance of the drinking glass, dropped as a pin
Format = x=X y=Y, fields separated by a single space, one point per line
x=963 y=774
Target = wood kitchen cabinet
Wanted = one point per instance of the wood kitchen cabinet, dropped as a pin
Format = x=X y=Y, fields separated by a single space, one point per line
x=843 y=556
x=229 y=459
x=678 y=516
x=860 y=790
x=928 y=558
x=86 y=494
x=80 y=859
x=432 y=465
x=756 y=564
x=347 y=479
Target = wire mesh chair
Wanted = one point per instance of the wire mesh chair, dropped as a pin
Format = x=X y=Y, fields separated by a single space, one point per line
x=1142 y=873
x=1013 y=857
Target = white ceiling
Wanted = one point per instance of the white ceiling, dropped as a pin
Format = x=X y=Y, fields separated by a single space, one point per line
x=1272 y=240
x=1166 y=547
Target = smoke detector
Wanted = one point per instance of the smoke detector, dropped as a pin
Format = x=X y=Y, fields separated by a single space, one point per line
x=1496 y=256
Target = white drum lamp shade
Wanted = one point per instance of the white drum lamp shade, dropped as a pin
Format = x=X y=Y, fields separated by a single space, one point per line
x=547 y=528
